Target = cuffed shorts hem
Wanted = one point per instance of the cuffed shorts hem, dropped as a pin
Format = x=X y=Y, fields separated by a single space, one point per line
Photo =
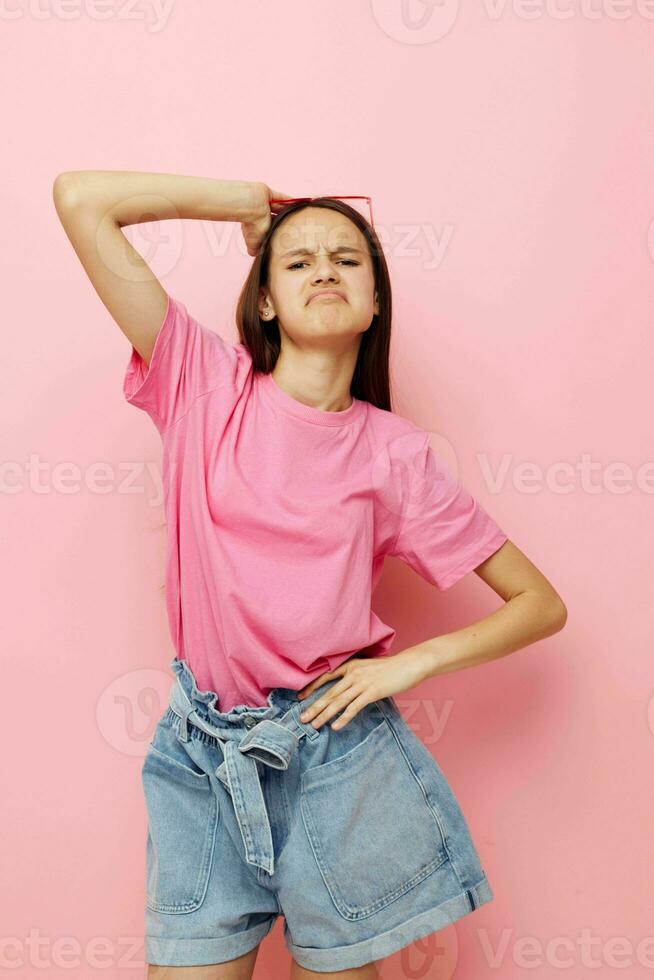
x=203 y=952
x=387 y=943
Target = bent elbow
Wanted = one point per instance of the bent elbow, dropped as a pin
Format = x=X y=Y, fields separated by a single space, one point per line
x=64 y=190
x=559 y=615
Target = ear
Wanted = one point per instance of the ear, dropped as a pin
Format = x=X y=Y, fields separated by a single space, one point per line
x=376 y=306
x=266 y=310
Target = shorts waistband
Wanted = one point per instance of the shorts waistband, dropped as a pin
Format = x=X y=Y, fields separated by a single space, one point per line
x=279 y=699
x=267 y=734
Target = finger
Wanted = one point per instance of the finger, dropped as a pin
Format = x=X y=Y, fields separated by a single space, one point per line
x=252 y=239
x=325 y=708
x=353 y=708
x=305 y=691
x=318 y=682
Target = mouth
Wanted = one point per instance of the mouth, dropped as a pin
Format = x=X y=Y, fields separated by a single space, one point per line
x=327 y=294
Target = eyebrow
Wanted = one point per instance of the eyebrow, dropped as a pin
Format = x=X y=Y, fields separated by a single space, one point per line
x=306 y=251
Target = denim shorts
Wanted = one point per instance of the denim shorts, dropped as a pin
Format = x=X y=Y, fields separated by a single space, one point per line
x=353 y=835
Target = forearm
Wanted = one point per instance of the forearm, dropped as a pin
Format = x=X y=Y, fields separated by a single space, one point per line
x=131 y=197
x=522 y=620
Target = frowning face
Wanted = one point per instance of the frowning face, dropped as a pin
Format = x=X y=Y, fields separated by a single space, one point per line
x=321 y=278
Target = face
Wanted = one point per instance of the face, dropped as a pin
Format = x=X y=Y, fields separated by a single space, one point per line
x=315 y=251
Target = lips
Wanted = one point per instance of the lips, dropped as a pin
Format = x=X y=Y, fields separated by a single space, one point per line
x=334 y=293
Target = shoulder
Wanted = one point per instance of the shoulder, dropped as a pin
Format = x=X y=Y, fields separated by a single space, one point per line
x=394 y=435
x=400 y=460
x=389 y=424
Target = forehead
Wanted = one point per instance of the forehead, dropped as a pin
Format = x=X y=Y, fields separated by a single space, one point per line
x=317 y=230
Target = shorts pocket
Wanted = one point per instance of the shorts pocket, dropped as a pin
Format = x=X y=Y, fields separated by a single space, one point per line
x=372 y=830
x=182 y=816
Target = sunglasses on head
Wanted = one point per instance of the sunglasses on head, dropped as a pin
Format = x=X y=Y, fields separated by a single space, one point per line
x=332 y=197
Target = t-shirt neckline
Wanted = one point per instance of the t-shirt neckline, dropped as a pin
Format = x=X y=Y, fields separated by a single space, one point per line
x=291 y=406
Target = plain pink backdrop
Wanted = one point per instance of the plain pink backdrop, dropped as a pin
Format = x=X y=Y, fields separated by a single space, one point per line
x=509 y=159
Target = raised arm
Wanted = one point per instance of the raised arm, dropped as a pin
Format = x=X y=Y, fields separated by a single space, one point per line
x=94 y=205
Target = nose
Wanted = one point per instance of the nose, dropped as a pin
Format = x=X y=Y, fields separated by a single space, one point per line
x=325 y=271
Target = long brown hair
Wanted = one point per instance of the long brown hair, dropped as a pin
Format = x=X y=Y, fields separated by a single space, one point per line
x=370 y=381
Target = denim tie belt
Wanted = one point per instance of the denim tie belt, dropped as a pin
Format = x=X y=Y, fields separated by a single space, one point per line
x=267 y=741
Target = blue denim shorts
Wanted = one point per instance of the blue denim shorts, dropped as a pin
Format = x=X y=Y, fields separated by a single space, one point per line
x=353 y=836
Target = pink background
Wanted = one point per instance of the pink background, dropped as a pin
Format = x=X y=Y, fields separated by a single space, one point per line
x=509 y=158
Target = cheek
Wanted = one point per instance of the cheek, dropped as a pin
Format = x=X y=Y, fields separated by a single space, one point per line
x=363 y=305
x=289 y=306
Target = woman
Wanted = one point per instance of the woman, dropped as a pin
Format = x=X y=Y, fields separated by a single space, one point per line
x=282 y=778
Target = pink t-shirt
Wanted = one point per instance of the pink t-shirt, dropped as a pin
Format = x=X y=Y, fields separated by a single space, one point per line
x=279 y=515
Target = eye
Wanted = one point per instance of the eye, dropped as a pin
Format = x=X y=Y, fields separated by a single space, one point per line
x=347 y=262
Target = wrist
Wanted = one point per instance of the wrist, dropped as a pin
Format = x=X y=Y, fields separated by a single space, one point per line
x=419 y=661
x=235 y=200
x=257 y=196
x=428 y=656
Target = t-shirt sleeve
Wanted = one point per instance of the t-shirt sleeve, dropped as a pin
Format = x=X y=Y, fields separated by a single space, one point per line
x=188 y=360
x=444 y=532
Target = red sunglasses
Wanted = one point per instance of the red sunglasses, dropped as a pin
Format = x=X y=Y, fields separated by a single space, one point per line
x=331 y=197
